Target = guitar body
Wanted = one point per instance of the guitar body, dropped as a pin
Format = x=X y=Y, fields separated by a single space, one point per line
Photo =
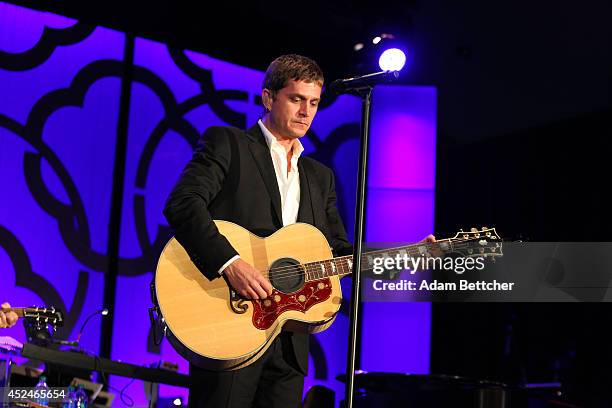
x=213 y=328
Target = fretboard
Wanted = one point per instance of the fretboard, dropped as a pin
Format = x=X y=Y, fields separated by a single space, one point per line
x=343 y=265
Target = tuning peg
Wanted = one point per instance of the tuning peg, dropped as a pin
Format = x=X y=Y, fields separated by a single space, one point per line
x=485 y=228
x=474 y=229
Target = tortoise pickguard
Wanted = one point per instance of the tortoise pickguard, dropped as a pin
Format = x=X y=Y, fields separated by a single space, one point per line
x=265 y=312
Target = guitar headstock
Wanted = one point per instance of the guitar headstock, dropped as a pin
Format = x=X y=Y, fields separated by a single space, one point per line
x=483 y=242
x=48 y=315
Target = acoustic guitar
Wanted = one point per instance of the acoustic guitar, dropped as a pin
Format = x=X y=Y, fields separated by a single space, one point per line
x=209 y=324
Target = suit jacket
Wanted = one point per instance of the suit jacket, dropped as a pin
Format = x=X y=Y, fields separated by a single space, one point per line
x=231 y=177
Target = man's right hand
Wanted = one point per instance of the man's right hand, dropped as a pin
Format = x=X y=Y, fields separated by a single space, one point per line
x=247 y=281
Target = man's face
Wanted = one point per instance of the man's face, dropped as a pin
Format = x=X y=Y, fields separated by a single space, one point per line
x=292 y=109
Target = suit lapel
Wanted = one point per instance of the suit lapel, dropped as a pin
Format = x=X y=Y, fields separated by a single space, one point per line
x=305 y=211
x=261 y=155
x=310 y=204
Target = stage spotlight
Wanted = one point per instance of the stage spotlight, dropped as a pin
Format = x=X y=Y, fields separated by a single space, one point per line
x=392 y=59
x=177 y=402
x=382 y=51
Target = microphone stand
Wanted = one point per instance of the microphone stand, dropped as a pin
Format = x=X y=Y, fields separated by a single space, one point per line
x=366 y=97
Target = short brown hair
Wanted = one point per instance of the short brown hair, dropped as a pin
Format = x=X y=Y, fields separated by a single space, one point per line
x=291 y=66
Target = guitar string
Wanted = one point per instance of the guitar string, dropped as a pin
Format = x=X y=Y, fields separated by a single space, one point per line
x=292 y=268
x=290 y=272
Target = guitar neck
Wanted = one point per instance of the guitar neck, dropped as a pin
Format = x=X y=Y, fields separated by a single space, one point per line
x=343 y=265
x=49 y=313
x=18 y=310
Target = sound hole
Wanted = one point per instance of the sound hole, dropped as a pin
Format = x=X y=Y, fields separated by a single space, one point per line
x=286 y=275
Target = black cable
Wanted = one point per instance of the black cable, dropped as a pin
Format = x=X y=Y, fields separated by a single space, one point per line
x=124 y=396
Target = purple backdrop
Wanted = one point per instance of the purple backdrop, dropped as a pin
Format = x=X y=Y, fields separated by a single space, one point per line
x=58 y=114
x=59 y=108
x=400 y=209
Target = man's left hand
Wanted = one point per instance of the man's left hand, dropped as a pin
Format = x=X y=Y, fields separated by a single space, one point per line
x=7 y=319
x=434 y=251
x=430 y=239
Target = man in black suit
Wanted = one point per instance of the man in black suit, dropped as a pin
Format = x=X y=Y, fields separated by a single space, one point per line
x=259 y=180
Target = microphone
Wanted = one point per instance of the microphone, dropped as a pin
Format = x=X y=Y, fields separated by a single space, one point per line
x=361 y=82
x=102 y=312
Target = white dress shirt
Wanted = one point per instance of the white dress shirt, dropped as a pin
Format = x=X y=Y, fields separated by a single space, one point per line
x=288 y=182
